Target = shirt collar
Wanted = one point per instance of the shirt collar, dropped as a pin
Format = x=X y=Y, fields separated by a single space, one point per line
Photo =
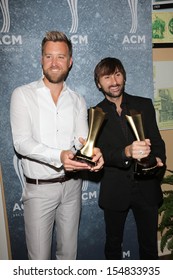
x=41 y=84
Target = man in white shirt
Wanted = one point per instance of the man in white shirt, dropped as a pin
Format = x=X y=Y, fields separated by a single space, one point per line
x=49 y=122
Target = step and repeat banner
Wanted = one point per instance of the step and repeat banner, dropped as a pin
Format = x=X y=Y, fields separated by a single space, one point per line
x=97 y=28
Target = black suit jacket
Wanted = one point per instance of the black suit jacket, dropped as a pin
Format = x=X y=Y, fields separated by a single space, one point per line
x=118 y=173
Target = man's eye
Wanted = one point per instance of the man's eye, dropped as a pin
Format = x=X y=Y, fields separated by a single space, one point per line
x=118 y=74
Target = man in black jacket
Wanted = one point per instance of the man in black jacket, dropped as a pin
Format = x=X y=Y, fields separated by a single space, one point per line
x=121 y=189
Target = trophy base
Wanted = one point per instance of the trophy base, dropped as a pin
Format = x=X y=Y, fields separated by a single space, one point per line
x=146 y=167
x=83 y=158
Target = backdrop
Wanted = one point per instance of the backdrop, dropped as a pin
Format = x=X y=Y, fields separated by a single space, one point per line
x=97 y=28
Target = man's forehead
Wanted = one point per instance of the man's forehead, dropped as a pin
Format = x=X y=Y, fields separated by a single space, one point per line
x=107 y=71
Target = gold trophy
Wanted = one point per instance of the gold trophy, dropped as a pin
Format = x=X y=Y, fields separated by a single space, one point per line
x=147 y=165
x=96 y=118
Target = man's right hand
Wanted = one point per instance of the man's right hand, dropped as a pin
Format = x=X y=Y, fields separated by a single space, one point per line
x=67 y=159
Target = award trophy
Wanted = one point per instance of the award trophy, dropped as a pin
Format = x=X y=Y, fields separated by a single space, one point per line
x=147 y=165
x=96 y=118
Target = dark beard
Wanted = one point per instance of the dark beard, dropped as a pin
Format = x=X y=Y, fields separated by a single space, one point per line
x=61 y=78
x=111 y=95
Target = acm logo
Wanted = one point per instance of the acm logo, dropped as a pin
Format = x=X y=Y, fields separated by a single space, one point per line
x=89 y=197
x=18 y=205
x=13 y=40
x=76 y=39
x=7 y=39
x=133 y=38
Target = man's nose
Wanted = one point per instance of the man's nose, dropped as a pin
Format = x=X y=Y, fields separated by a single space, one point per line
x=114 y=78
x=54 y=60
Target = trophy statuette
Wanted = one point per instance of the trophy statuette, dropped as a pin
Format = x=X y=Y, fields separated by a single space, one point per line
x=96 y=118
x=147 y=165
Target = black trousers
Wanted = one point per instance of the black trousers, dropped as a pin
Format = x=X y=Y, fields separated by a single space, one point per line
x=146 y=218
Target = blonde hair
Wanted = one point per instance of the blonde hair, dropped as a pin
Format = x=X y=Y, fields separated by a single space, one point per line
x=57 y=36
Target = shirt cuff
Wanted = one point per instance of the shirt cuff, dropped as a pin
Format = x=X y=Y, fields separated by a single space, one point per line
x=126 y=160
x=55 y=158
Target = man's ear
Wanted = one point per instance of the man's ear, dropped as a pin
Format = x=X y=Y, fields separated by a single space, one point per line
x=70 y=63
x=99 y=86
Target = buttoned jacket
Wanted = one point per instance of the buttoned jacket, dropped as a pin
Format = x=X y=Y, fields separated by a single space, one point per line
x=118 y=177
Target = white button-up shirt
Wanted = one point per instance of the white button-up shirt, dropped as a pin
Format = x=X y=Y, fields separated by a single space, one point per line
x=41 y=129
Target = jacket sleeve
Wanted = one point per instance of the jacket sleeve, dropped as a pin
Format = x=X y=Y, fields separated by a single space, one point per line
x=152 y=132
